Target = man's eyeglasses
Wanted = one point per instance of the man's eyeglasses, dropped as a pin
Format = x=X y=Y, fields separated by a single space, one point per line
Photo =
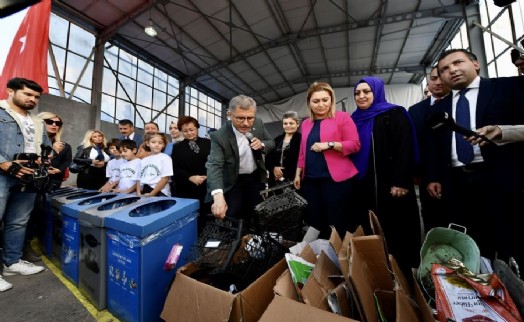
x=243 y=118
x=51 y=122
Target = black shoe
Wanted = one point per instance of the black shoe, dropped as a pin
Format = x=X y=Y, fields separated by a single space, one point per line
x=29 y=255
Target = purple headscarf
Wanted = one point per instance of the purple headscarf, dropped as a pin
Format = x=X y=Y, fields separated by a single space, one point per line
x=365 y=119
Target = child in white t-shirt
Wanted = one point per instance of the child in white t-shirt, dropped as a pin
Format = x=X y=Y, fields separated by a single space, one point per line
x=113 y=166
x=130 y=169
x=156 y=169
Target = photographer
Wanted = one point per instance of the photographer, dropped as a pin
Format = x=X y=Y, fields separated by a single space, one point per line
x=21 y=132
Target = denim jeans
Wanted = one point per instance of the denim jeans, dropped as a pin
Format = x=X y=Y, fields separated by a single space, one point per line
x=15 y=209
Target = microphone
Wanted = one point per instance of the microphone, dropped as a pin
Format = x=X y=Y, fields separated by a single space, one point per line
x=256 y=153
x=436 y=120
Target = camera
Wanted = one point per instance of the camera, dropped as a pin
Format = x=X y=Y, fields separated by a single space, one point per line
x=39 y=180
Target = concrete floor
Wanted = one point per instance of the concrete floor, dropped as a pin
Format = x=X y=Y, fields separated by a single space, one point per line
x=47 y=297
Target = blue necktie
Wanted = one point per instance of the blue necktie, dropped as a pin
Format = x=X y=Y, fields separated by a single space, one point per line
x=464 y=148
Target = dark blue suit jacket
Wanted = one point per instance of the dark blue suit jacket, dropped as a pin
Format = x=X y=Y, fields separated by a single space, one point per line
x=419 y=113
x=500 y=102
x=139 y=139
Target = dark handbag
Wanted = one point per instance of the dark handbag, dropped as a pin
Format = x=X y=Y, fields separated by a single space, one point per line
x=77 y=167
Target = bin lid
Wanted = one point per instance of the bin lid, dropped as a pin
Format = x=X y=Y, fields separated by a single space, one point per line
x=61 y=191
x=96 y=214
x=151 y=216
x=73 y=208
x=58 y=201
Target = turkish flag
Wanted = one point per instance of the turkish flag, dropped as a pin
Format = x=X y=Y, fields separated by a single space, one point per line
x=27 y=56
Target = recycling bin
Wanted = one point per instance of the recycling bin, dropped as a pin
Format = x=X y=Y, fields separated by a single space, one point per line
x=48 y=233
x=55 y=208
x=69 y=257
x=139 y=242
x=92 y=260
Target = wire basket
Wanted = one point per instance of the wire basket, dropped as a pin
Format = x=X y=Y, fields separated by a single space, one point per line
x=217 y=244
x=282 y=213
x=231 y=262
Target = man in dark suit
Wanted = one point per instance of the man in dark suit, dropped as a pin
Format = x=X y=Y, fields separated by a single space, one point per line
x=482 y=191
x=431 y=208
x=127 y=130
x=235 y=167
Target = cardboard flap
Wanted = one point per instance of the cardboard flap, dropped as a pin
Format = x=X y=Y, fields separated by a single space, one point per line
x=257 y=296
x=210 y=304
x=401 y=283
x=423 y=306
x=319 y=283
x=344 y=300
x=405 y=308
x=286 y=310
x=284 y=286
x=368 y=272
x=335 y=240
x=308 y=254
x=386 y=306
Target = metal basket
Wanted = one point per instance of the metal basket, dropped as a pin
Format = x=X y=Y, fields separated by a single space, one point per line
x=282 y=213
x=217 y=244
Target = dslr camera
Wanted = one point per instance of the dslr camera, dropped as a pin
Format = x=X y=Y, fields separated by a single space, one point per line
x=39 y=180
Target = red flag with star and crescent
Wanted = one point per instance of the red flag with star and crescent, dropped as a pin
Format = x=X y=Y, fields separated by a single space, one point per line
x=27 y=56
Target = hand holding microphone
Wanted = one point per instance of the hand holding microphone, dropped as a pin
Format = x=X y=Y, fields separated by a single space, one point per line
x=256 y=145
x=436 y=120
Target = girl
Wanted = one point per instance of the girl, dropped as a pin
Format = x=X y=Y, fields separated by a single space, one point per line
x=156 y=169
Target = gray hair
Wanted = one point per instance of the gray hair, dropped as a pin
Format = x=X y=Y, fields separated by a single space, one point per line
x=243 y=102
x=291 y=115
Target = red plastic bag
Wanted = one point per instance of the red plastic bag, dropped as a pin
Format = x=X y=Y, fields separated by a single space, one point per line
x=463 y=296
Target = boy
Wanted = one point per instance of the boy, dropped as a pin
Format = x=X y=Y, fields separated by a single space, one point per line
x=113 y=166
x=130 y=169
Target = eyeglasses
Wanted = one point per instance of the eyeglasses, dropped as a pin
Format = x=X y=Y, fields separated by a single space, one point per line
x=243 y=118
x=51 y=122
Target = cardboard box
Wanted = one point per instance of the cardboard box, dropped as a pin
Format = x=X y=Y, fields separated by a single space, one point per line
x=191 y=300
x=282 y=309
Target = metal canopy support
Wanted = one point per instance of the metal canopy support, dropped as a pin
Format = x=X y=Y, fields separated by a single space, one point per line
x=471 y=14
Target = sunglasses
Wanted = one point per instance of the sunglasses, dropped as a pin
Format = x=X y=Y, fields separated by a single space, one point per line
x=51 y=122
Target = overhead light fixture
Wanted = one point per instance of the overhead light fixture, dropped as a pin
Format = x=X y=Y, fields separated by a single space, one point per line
x=150 y=30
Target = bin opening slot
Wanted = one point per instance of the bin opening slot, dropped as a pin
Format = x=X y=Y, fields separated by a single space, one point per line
x=152 y=208
x=118 y=203
x=97 y=199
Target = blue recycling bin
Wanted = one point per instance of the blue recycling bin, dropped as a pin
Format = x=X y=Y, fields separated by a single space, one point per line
x=69 y=257
x=55 y=209
x=93 y=250
x=139 y=241
x=48 y=233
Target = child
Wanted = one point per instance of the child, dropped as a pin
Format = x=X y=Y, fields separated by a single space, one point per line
x=129 y=170
x=156 y=169
x=113 y=166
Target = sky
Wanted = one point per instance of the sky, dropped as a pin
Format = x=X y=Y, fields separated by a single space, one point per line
x=8 y=28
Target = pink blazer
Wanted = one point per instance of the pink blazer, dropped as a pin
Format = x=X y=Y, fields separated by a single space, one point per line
x=341 y=129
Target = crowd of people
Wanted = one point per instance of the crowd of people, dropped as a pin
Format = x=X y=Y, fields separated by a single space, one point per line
x=344 y=165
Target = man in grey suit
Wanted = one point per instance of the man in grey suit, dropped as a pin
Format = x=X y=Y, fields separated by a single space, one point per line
x=235 y=167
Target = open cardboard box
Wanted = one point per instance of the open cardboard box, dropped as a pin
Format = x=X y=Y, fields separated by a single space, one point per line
x=369 y=272
x=282 y=309
x=191 y=300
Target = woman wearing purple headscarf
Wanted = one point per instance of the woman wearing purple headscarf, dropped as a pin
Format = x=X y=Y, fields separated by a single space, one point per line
x=386 y=161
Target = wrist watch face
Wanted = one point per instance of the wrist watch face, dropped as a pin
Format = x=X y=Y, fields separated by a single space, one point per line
x=331 y=145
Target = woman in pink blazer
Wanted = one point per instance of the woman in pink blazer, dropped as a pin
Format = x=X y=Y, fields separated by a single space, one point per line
x=324 y=171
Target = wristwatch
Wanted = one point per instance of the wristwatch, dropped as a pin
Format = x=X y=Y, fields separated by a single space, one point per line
x=331 y=145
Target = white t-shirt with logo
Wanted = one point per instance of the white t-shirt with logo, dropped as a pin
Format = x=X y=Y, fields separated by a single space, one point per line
x=154 y=168
x=113 y=169
x=129 y=174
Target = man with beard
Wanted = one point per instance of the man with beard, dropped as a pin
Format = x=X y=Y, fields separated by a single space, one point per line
x=21 y=132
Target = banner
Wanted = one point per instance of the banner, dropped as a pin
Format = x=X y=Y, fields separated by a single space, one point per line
x=27 y=56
